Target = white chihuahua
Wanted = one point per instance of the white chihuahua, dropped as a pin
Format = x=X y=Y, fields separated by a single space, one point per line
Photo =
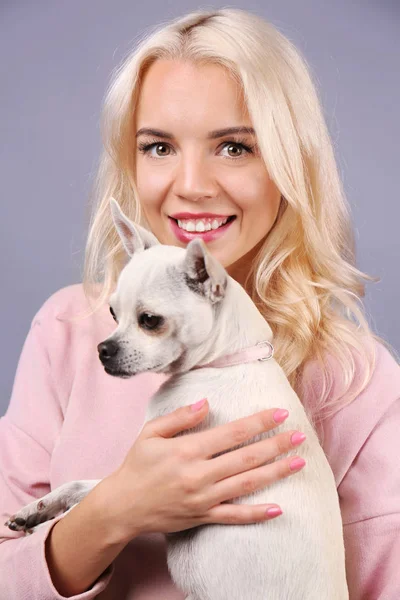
x=178 y=310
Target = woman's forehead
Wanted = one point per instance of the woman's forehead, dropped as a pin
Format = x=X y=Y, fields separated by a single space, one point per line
x=184 y=93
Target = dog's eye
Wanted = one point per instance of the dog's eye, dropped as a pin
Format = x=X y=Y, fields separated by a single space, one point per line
x=148 y=321
x=113 y=314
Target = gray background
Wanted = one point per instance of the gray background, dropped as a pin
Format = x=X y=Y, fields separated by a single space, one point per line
x=56 y=58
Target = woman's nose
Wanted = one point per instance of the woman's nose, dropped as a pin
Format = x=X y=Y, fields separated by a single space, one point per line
x=194 y=179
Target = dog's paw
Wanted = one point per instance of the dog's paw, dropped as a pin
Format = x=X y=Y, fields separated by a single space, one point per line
x=29 y=517
x=60 y=500
x=15 y=523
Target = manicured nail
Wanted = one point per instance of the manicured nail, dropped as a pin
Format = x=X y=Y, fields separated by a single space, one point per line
x=274 y=512
x=198 y=405
x=297 y=464
x=280 y=415
x=297 y=438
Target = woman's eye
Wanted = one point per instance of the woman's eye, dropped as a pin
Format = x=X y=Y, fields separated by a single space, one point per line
x=113 y=314
x=160 y=148
x=236 y=149
x=150 y=322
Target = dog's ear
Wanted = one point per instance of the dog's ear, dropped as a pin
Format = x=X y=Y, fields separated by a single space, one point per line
x=133 y=236
x=203 y=273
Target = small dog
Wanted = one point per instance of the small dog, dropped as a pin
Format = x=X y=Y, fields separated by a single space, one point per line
x=178 y=310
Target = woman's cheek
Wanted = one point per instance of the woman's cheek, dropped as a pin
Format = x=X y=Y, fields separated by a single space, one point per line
x=150 y=183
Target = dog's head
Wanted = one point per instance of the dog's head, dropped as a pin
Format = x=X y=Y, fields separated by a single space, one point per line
x=166 y=304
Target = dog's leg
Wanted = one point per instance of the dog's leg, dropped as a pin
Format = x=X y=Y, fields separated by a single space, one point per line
x=58 y=501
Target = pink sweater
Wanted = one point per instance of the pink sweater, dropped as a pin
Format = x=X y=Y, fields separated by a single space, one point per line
x=69 y=420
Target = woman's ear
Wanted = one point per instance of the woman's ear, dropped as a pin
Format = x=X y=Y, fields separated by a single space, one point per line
x=133 y=236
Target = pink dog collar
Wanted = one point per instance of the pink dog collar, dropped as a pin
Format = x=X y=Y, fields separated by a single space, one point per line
x=261 y=351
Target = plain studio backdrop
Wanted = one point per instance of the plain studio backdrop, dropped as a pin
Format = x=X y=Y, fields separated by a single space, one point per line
x=56 y=61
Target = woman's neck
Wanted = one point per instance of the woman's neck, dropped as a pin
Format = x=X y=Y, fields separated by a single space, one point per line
x=240 y=269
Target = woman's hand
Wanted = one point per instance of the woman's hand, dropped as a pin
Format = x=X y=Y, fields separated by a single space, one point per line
x=168 y=484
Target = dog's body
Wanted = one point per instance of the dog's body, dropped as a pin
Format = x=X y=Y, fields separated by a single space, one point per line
x=298 y=556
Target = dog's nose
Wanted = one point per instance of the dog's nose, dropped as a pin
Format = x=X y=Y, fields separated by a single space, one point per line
x=107 y=350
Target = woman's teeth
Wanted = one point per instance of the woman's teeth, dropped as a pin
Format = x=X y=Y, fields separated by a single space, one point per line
x=200 y=225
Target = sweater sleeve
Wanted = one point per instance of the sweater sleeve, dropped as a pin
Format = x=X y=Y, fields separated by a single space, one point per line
x=370 y=504
x=362 y=445
x=28 y=434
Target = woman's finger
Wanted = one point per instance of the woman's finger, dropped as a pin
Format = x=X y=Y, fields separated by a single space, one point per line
x=176 y=421
x=241 y=514
x=204 y=444
x=256 y=479
x=252 y=456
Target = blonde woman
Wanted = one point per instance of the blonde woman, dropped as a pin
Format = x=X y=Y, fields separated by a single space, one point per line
x=212 y=128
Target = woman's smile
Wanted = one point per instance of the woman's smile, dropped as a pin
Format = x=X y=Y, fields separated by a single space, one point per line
x=186 y=226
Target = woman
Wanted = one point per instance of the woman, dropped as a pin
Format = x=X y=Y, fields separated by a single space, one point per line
x=212 y=117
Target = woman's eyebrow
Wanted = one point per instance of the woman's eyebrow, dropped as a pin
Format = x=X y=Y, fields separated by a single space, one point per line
x=212 y=135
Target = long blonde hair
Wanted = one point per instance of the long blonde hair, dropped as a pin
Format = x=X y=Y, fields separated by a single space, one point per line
x=304 y=279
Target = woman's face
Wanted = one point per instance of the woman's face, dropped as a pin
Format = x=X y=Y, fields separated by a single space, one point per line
x=194 y=168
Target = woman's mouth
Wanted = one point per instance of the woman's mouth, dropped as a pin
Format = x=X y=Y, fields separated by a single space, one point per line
x=207 y=228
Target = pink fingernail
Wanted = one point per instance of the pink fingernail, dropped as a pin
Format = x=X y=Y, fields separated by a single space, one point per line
x=280 y=415
x=274 y=512
x=297 y=438
x=198 y=405
x=297 y=464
